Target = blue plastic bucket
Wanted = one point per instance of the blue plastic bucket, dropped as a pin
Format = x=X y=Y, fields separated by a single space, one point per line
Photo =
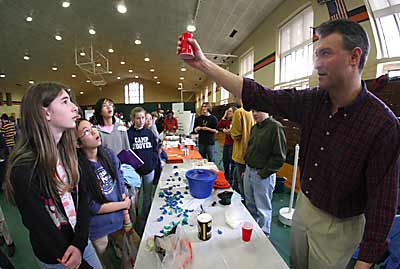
x=201 y=182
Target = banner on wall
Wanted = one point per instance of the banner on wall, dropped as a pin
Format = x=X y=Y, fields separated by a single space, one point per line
x=8 y=99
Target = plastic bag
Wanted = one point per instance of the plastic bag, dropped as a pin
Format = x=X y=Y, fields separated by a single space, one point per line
x=130 y=248
x=178 y=250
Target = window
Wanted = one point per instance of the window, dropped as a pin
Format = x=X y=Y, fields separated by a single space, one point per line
x=386 y=15
x=214 y=92
x=296 y=47
x=246 y=64
x=206 y=94
x=224 y=97
x=134 y=93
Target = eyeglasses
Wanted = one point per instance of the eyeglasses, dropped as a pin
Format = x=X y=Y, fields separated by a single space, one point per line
x=86 y=132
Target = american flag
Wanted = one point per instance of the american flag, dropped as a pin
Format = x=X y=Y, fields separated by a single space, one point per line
x=337 y=9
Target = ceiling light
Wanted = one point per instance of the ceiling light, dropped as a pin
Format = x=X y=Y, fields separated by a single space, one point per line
x=29 y=18
x=66 y=4
x=152 y=70
x=181 y=78
x=118 y=77
x=2 y=75
x=54 y=68
x=109 y=72
x=138 y=41
x=155 y=77
x=31 y=82
x=122 y=8
x=122 y=62
x=58 y=37
x=136 y=76
x=98 y=64
x=92 y=31
x=27 y=57
x=130 y=70
x=82 y=53
x=88 y=81
x=147 y=59
x=158 y=82
x=191 y=27
x=80 y=93
x=111 y=50
x=183 y=69
x=73 y=75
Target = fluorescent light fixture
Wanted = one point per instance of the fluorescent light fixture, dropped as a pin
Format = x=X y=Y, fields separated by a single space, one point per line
x=136 y=76
x=183 y=69
x=73 y=75
x=110 y=50
x=118 y=77
x=31 y=82
x=122 y=62
x=152 y=70
x=147 y=59
x=82 y=53
x=181 y=78
x=138 y=41
x=109 y=72
x=2 y=75
x=158 y=82
x=191 y=27
x=87 y=81
x=155 y=77
x=80 y=93
x=29 y=18
x=122 y=8
x=27 y=57
x=130 y=70
x=58 y=37
x=92 y=31
x=65 y=4
x=54 y=68
x=98 y=64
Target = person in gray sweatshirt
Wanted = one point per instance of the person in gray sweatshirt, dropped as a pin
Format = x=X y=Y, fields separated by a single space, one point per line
x=113 y=134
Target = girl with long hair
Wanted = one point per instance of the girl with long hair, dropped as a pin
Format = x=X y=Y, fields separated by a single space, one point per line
x=43 y=180
x=108 y=203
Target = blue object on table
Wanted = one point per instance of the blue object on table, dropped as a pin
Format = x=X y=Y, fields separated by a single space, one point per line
x=201 y=182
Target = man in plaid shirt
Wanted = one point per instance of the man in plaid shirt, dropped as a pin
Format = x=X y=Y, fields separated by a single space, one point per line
x=349 y=150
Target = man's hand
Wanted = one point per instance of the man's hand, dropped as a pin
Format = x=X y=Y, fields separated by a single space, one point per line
x=198 y=54
x=362 y=265
x=72 y=257
x=198 y=128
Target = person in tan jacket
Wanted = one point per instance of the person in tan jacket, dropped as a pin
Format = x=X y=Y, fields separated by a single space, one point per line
x=240 y=133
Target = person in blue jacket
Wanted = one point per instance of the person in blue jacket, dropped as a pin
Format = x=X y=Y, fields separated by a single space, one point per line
x=108 y=203
x=144 y=143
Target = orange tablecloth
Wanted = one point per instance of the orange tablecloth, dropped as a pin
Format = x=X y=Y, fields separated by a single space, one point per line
x=175 y=155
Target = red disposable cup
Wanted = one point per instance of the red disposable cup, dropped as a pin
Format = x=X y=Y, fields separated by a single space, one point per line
x=186 y=50
x=247 y=229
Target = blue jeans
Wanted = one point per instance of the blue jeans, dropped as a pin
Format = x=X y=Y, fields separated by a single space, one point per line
x=147 y=182
x=228 y=163
x=207 y=152
x=258 y=194
x=89 y=255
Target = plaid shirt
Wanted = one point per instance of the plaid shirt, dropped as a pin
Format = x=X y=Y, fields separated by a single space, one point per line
x=349 y=160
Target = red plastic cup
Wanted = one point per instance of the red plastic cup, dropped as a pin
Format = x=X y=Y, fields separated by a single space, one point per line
x=247 y=229
x=186 y=50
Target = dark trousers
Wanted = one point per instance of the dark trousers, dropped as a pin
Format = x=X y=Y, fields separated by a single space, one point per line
x=238 y=178
x=229 y=165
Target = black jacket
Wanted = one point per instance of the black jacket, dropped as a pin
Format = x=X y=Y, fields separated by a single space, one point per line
x=48 y=242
